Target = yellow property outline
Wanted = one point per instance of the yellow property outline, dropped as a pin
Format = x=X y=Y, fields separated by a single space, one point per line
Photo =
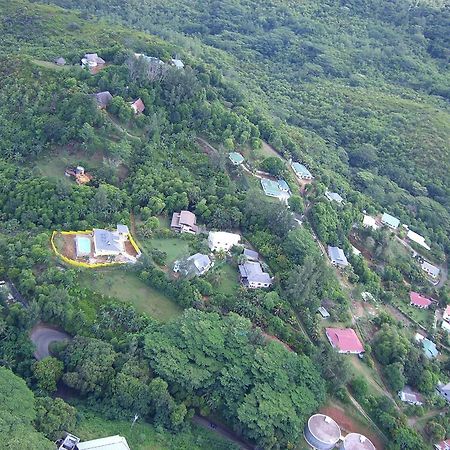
x=83 y=264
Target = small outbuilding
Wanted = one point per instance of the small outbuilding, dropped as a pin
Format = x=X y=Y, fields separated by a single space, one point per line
x=334 y=197
x=432 y=271
x=408 y=395
x=138 y=106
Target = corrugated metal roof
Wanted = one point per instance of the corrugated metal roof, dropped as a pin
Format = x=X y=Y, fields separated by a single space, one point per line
x=107 y=443
x=390 y=220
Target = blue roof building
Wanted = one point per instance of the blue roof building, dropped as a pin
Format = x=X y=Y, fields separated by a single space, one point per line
x=390 y=221
x=301 y=171
x=429 y=348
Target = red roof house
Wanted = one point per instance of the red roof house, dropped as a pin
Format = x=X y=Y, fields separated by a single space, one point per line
x=419 y=301
x=138 y=106
x=444 y=445
x=344 y=340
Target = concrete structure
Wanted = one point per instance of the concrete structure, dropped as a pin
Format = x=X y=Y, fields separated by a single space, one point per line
x=432 y=271
x=334 y=197
x=107 y=443
x=110 y=243
x=370 y=222
x=443 y=445
x=407 y=395
x=301 y=171
x=356 y=441
x=390 y=221
x=322 y=432
x=253 y=276
x=236 y=158
x=444 y=391
x=418 y=239
x=446 y=319
x=419 y=301
x=68 y=443
x=184 y=222
x=222 y=241
x=344 y=340
x=337 y=256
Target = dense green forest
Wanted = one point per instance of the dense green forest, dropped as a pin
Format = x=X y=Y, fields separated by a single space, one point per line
x=358 y=91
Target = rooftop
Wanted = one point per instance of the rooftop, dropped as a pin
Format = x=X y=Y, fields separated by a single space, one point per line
x=200 y=262
x=417 y=299
x=103 y=98
x=301 y=170
x=324 y=428
x=337 y=254
x=356 y=441
x=390 y=220
x=429 y=348
x=344 y=339
x=334 y=196
x=105 y=240
x=253 y=272
x=432 y=270
x=107 y=443
x=370 y=221
x=418 y=239
x=407 y=394
x=251 y=254
x=323 y=312
x=443 y=445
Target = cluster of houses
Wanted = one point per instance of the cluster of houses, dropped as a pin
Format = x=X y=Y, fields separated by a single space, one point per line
x=393 y=223
x=103 y=99
x=252 y=274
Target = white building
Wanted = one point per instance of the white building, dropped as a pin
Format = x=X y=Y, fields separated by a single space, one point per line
x=432 y=271
x=222 y=241
x=390 y=221
x=301 y=171
x=446 y=319
x=370 y=222
x=334 y=197
x=337 y=256
x=418 y=239
x=110 y=243
x=108 y=443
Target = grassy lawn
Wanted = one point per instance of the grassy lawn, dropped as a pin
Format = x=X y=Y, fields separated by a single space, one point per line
x=53 y=166
x=174 y=247
x=126 y=286
x=228 y=279
x=423 y=316
x=51 y=65
x=372 y=377
x=144 y=436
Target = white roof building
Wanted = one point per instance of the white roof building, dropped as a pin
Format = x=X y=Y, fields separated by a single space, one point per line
x=221 y=240
x=431 y=270
x=417 y=238
x=301 y=171
x=390 y=221
x=337 y=256
x=370 y=222
x=334 y=196
x=72 y=442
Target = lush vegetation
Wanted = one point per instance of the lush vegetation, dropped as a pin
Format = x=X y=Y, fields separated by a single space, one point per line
x=355 y=90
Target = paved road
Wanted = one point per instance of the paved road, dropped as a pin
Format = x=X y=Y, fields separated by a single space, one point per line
x=223 y=431
x=42 y=336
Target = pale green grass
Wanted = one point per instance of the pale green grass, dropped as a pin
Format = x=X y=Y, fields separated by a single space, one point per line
x=174 y=247
x=126 y=286
x=50 y=65
x=143 y=436
x=228 y=279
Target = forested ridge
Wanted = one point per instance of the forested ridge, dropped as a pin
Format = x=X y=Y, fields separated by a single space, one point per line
x=358 y=91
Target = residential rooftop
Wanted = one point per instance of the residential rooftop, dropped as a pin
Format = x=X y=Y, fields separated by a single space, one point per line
x=390 y=221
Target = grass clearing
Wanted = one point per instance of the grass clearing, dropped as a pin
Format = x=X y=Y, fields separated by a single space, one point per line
x=174 y=247
x=359 y=368
x=126 y=286
x=51 y=65
x=228 y=279
x=144 y=436
x=422 y=316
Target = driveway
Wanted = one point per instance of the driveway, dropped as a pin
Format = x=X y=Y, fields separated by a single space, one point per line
x=42 y=336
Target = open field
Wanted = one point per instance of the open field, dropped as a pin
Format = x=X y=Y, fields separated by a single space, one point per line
x=51 y=65
x=126 y=286
x=145 y=437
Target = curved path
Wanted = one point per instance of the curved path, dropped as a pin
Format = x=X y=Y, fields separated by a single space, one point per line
x=42 y=336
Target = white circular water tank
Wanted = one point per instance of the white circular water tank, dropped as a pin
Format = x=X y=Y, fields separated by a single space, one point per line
x=322 y=432
x=356 y=441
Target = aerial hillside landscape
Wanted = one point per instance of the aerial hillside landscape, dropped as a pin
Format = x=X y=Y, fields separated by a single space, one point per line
x=224 y=224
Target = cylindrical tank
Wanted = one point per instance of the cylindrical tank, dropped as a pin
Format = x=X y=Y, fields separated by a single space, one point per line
x=356 y=441
x=322 y=432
